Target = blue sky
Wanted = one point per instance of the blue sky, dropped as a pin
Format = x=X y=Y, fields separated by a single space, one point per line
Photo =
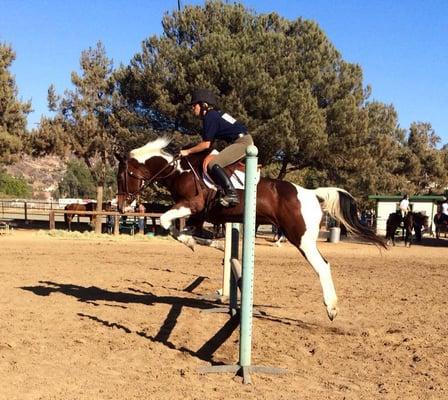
x=400 y=45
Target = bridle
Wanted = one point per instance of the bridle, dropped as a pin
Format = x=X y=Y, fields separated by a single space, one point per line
x=145 y=181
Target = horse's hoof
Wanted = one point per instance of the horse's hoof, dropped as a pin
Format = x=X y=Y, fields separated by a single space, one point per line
x=166 y=224
x=332 y=311
x=187 y=241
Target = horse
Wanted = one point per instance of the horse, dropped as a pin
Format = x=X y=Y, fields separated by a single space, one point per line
x=296 y=210
x=440 y=223
x=411 y=221
x=76 y=208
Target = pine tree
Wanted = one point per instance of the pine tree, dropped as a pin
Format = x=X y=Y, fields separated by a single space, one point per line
x=284 y=79
x=83 y=113
x=13 y=112
x=428 y=174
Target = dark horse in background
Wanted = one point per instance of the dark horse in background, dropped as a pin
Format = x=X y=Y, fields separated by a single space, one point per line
x=76 y=208
x=412 y=221
x=297 y=211
x=440 y=224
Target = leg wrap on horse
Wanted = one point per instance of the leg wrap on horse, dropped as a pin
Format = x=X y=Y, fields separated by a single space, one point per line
x=220 y=177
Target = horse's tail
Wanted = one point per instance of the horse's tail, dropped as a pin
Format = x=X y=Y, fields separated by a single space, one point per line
x=341 y=205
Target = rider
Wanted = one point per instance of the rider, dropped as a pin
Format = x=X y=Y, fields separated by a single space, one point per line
x=404 y=206
x=218 y=125
x=444 y=209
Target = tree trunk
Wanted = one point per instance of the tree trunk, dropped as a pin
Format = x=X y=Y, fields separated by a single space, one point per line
x=99 y=207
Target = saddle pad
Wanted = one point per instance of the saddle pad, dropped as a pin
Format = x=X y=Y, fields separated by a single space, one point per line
x=237 y=180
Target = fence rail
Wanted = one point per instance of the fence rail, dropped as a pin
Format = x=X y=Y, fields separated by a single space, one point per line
x=35 y=210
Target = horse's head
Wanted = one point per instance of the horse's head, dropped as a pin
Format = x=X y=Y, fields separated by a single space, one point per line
x=128 y=185
x=144 y=165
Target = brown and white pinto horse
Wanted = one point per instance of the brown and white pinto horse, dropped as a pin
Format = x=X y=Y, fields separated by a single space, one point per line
x=292 y=208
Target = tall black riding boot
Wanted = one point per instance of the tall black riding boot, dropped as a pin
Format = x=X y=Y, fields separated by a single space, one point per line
x=220 y=177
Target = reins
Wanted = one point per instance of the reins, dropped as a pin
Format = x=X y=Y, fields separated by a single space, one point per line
x=196 y=176
x=147 y=181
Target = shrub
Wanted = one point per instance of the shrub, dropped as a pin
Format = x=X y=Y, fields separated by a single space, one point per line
x=11 y=186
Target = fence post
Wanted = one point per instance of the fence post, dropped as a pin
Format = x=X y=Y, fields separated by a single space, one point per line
x=99 y=208
x=117 y=224
x=52 y=220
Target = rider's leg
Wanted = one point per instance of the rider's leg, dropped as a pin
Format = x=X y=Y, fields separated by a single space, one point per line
x=227 y=156
x=220 y=177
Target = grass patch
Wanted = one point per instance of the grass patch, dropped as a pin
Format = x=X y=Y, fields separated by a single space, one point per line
x=75 y=235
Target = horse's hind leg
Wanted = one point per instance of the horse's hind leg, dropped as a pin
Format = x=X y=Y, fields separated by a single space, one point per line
x=408 y=239
x=322 y=268
x=303 y=234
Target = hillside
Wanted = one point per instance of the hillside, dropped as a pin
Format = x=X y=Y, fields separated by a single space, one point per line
x=43 y=173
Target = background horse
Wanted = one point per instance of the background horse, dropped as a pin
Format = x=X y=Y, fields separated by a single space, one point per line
x=412 y=221
x=155 y=208
x=292 y=208
x=440 y=224
x=76 y=208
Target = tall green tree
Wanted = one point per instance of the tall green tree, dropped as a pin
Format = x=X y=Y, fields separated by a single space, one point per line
x=252 y=61
x=78 y=182
x=428 y=173
x=304 y=105
x=84 y=112
x=13 y=112
x=49 y=138
x=386 y=170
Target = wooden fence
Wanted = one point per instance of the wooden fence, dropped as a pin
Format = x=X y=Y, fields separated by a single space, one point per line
x=30 y=211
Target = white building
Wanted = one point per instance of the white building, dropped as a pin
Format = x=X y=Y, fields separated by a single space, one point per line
x=386 y=205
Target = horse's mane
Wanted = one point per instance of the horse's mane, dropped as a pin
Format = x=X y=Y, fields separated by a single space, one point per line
x=150 y=149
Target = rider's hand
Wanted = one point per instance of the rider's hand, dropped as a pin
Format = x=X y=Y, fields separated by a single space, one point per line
x=184 y=153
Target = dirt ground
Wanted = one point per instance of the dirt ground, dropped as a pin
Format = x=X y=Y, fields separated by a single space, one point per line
x=124 y=319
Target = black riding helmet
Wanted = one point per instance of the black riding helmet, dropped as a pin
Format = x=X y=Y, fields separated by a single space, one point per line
x=203 y=96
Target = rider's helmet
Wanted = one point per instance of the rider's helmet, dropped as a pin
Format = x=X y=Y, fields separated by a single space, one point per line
x=203 y=96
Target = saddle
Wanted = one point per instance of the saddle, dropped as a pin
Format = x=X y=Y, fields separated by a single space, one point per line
x=236 y=172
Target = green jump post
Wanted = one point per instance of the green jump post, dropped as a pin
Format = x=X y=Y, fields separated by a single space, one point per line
x=247 y=288
x=244 y=366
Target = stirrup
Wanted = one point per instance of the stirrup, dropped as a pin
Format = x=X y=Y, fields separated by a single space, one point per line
x=229 y=200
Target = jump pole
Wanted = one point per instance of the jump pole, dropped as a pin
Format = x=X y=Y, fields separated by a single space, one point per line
x=244 y=366
x=248 y=255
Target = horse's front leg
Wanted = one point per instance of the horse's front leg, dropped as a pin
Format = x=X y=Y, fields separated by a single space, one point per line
x=179 y=210
x=408 y=239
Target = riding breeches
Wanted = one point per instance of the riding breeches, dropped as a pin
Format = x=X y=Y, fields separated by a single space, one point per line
x=233 y=152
